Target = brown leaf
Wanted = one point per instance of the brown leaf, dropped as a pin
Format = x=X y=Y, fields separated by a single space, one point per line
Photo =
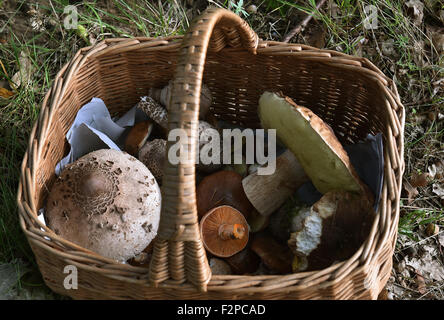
x=419 y=180
x=23 y=76
x=438 y=40
x=383 y=295
x=441 y=239
x=420 y=282
x=432 y=229
x=415 y=9
x=317 y=37
x=436 y=170
x=412 y=192
x=438 y=189
x=5 y=93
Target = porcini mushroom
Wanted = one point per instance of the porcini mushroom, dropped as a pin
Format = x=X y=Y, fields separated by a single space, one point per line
x=268 y=192
x=222 y=188
x=152 y=155
x=325 y=161
x=331 y=230
x=224 y=231
x=108 y=202
x=137 y=136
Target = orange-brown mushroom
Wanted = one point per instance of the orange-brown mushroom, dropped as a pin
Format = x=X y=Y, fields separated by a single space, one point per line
x=222 y=188
x=276 y=257
x=224 y=231
x=137 y=137
x=243 y=262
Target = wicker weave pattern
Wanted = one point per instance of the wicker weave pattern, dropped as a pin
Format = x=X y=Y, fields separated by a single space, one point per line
x=350 y=93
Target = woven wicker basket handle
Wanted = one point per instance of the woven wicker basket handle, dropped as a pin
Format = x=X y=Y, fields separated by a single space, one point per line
x=179 y=255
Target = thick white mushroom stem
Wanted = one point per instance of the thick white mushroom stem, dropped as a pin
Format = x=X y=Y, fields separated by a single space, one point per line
x=231 y=231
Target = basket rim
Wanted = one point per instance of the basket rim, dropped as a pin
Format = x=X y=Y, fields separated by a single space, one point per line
x=28 y=212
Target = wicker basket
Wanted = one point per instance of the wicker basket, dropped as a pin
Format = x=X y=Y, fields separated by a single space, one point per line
x=350 y=93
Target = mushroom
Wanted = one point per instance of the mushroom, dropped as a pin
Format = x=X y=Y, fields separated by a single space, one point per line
x=267 y=192
x=288 y=218
x=152 y=156
x=164 y=95
x=205 y=136
x=143 y=259
x=222 y=188
x=245 y=261
x=154 y=110
x=224 y=231
x=219 y=267
x=108 y=202
x=325 y=162
x=257 y=222
x=275 y=256
x=137 y=137
x=331 y=230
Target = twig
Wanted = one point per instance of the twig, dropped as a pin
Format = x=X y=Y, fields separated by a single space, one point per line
x=303 y=23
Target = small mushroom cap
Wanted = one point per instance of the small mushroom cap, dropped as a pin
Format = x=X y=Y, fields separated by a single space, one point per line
x=137 y=137
x=222 y=188
x=212 y=230
x=152 y=155
x=108 y=202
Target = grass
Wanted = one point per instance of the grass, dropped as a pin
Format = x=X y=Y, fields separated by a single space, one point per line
x=413 y=63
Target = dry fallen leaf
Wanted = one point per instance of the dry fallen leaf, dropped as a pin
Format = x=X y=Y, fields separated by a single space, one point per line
x=420 y=282
x=436 y=172
x=432 y=229
x=383 y=295
x=23 y=76
x=419 y=53
x=441 y=239
x=438 y=40
x=428 y=264
x=5 y=93
x=316 y=38
x=388 y=48
x=438 y=189
x=415 y=9
x=419 y=180
x=411 y=191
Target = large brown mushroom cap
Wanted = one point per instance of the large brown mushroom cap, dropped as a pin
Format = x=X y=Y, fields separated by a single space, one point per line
x=222 y=188
x=108 y=202
x=153 y=154
x=331 y=230
x=224 y=231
